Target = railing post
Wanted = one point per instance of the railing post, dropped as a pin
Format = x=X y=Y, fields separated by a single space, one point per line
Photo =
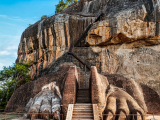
x=5 y=116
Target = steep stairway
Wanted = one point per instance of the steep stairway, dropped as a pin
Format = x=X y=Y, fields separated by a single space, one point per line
x=83 y=96
x=82 y=112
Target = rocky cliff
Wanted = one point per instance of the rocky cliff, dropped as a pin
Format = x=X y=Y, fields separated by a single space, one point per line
x=125 y=41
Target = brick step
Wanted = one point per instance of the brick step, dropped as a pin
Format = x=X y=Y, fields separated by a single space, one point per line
x=82 y=111
x=86 y=94
x=82 y=107
x=83 y=101
x=83 y=114
x=83 y=93
x=83 y=90
x=83 y=117
x=83 y=104
x=84 y=98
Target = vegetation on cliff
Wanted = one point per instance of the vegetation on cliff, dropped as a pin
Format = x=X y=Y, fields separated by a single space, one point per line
x=63 y=4
x=11 y=78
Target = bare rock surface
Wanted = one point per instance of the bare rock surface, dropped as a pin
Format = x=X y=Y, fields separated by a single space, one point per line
x=125 y=41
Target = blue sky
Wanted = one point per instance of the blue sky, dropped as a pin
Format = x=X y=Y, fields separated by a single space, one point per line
x=15 y=16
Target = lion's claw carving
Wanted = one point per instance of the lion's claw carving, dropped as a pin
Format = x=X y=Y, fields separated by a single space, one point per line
x=120 y=102
x=46 y=102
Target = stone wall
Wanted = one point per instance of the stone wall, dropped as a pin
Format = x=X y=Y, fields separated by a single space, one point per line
x=70 y=89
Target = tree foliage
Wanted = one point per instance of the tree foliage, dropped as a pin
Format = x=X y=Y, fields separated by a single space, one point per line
x=10 y=79
x=63 y=4
x=43 y=17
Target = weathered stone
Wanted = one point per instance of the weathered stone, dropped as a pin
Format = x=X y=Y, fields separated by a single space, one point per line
x=125 y=40
x=46 y=101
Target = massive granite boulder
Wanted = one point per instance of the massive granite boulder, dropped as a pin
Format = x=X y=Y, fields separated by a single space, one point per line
x=124 y=41
x=119 y=37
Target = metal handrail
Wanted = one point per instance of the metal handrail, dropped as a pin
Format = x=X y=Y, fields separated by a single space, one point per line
x=20 y=113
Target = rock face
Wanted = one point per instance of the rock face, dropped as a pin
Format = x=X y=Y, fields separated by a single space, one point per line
x=47 y=40
x=123 y=40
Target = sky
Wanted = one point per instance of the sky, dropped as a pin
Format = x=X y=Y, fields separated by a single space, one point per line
x=15 y=17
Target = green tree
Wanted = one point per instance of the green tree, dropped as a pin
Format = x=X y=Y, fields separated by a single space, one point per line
x=43 y=17
x=11 y=78
x=63 y=4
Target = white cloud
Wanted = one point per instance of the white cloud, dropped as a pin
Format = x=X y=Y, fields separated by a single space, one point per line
x=14 y=47
x=13 y=18
x=8 y=23
x=4 y=52
x=10 y=36
x=9 y=46
x=4 y=16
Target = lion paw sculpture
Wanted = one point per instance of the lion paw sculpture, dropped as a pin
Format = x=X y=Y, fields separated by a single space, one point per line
x=45 y=104
x=120 y=102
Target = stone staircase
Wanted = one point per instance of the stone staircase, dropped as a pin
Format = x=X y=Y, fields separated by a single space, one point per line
x=82 y=112
x=83 y=96
x=83 y=109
